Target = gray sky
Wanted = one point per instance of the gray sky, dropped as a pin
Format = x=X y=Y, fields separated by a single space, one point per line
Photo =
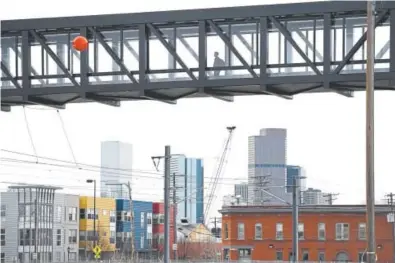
x=326 y=132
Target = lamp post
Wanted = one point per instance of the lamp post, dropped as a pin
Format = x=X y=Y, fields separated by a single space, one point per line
x=89 y=181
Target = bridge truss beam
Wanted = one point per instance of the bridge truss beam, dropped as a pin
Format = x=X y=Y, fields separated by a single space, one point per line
x=280 y=50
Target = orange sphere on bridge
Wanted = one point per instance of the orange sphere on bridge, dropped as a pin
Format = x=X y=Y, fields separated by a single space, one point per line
x=80 y=43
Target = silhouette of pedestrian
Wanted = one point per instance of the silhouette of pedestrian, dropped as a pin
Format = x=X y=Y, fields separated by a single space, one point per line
x=218 y=62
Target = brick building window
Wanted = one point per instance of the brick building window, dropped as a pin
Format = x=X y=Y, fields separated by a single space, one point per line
x=279 y=231
x=301 y=230
x=305 y=255
x=279 y=255
x=342 y=231
x=321 y=231
x=258 y=231
x=226 y=231
x=240 y=231
x=362 y=231
x=321 y=256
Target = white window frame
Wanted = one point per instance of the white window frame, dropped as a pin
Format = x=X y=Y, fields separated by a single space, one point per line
x=240 y=231
x=301 y=231
x=258 y=234
x=279 y=231
x=344 y=233
x=321 y=228
x=226 y=231
x=362 y=231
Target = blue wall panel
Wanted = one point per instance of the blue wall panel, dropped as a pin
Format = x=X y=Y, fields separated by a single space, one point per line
x=141 y=208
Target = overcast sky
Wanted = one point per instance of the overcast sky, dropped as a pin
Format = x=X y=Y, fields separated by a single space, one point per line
x=325 y=132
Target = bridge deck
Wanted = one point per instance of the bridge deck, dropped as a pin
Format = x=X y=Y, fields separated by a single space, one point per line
x=280 y=50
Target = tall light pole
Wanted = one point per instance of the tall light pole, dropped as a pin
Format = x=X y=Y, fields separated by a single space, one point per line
x=370 y=198
x=89 y=181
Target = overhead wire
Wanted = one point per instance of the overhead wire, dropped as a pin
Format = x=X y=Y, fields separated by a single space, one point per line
x=29 y=133
x=67 y=137
x=96 y=168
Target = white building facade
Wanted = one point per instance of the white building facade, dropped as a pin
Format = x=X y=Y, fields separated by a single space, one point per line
x=116 y=168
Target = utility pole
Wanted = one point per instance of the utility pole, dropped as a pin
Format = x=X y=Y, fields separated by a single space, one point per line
x=391 y=203
x=331 y=197
x=175 y=248
x=260 y=184
x=370 y=198
x=167 y=158
x=295 y=218
x=216 y=230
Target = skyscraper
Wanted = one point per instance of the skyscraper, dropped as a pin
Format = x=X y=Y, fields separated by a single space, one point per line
x=116 y=162
x=267 y=158
x=189 y=183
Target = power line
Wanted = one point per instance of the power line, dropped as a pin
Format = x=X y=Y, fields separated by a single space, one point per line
x=331 y=197
x=30 y=134
x=67 y=137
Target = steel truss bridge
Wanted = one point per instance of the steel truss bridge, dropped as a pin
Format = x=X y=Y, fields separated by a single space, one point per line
x=280 y=50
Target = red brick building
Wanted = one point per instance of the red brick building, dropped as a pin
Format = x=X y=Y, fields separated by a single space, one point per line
x=158 y=228
x=326 y=233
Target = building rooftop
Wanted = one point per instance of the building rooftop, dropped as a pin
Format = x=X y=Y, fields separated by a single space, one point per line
x=302 y=209
x=33 y=186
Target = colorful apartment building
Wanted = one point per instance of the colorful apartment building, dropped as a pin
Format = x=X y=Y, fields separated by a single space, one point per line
x=158 y=228
x=326 y=233
x=124 y=239
x=105 y=226
x=142 y=211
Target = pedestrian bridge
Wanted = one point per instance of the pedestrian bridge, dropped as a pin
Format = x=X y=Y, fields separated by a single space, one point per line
x=281 y=50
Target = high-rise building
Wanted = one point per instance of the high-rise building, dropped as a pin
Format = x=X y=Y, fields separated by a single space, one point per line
x=267 y=158
x=313 y=196
x=241 y=190
x=189 y=183
x=116 y=162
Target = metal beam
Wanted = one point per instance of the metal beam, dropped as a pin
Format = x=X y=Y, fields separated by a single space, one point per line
x=171 y=50
x=112 y=54
x=309 y=45
x=359 y=43
x=77 y=54
x=46 y=102
x=103 y=100
x=189 y=48
x=287 y=35
x=33 y=70
x=232 y=48
x=161 y=98
x=8 y=75
x=383 y=50
x=218 y=95
x=297 y=9
x=40 y=39
x=135 y=54
x=5 y=108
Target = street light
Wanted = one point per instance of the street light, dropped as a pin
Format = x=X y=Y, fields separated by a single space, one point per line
x=89 y=181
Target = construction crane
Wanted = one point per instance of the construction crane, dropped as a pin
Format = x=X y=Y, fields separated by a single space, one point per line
x=218 y=172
